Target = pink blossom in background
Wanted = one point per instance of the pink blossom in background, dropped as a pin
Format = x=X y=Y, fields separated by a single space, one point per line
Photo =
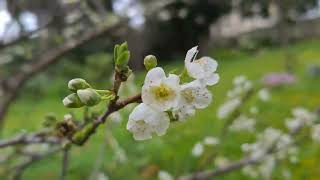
x=278 y=79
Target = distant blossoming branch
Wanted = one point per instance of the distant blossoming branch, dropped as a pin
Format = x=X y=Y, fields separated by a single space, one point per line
x=271 y=146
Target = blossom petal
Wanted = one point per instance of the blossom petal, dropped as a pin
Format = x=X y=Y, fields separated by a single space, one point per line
x=191 y=54
x=154 y=76
x=195 y=70
x=212 y=79
x=139 y=112
x=144 y=121
x=172 y=80
x=210 y=64
x=162 y=125
x=202 y=98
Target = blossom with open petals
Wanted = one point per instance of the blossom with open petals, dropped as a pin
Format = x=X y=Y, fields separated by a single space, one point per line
x=203 y=68
x=160 y=92
x=144 y=121
x=193 y=96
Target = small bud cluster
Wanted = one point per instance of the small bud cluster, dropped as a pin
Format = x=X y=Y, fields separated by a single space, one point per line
x=84 y=95
x=165 y=98
x=121 y=55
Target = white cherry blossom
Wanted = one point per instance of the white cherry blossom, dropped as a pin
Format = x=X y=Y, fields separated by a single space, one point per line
x=144 y=121
x=160 y=92
x=193 y=95
x=203 y=68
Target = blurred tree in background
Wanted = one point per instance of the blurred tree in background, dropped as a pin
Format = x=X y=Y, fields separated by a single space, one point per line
x=184 y=24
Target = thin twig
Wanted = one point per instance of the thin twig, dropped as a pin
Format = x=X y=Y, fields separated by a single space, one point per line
x=65 y=163
x=34 y=138
x=113 y=106
x=18 y=170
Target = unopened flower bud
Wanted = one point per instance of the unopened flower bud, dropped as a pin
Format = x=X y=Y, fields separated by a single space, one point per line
x=89 y=96
x=150 y=62
x=77 y=83
x=72 y=101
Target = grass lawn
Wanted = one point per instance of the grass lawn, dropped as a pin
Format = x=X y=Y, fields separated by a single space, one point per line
x=172 y=152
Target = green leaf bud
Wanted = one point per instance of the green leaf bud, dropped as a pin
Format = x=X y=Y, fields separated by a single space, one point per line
x=72 y=101
x=78 y=83
x=116 y=52
x=123 y=59
x=123 y=48
x=150 y=62
x=89 y=96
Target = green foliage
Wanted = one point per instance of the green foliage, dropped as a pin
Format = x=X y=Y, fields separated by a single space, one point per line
x=121 y=55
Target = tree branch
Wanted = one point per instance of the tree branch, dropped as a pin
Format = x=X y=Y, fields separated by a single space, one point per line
x=113 y=106
x=18 y=170
x=25 y=36
x=35 y=138
x=65 y=163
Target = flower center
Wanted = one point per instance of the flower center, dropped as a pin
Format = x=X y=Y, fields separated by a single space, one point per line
x=163 y=92
x=200 y=61
x=188 y=95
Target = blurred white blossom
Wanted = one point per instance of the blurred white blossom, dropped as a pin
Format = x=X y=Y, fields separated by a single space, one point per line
x=211 y=141
x=228 y=107
x=197 y=149
x=267 y=167
x=102 y=176
x=264 y=95
x=301 y=117
x=221 y=162
x=164 y=175
x=243 y=123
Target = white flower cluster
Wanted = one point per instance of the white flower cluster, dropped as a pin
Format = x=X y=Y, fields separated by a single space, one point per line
x=198 y=148
x=164 y=97
x=241 y=85
x=243 y=123
x=269 y=138
x=301 y=117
